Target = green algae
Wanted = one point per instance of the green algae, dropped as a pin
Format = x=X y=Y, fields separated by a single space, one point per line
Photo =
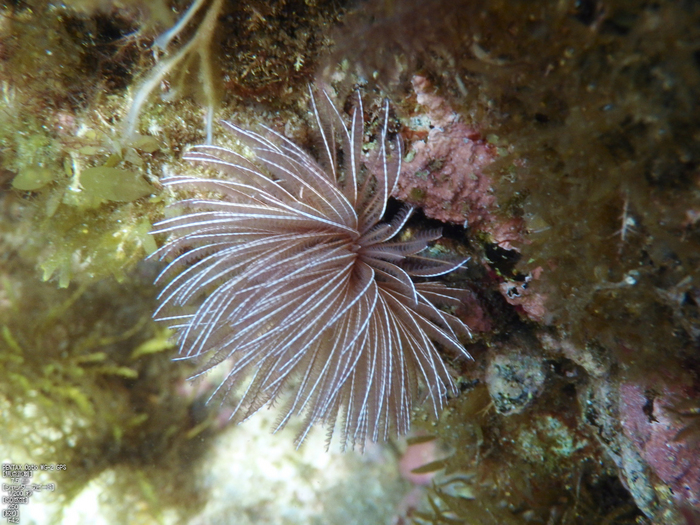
x=92 y=190
x=85 y=381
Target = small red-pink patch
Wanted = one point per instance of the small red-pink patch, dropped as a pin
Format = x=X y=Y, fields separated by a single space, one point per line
x=416 y=456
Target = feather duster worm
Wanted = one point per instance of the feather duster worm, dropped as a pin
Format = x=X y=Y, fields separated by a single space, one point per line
x=292 y=276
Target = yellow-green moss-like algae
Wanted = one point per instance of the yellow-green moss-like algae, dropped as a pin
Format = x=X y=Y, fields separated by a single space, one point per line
x=88 y=382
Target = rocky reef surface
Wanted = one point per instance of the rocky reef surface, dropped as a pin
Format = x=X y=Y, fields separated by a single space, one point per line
x=557 y=144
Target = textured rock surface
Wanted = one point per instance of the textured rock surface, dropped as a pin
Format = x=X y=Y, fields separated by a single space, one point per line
x=514 y=380
x=444 y=169
x=651 y=420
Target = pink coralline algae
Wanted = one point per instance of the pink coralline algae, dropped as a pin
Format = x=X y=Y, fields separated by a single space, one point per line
x=443 y=170
x=525 y=298
x=649 y=421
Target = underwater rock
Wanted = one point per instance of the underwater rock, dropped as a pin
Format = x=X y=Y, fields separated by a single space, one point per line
x=648 y=419
x=514 y=380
